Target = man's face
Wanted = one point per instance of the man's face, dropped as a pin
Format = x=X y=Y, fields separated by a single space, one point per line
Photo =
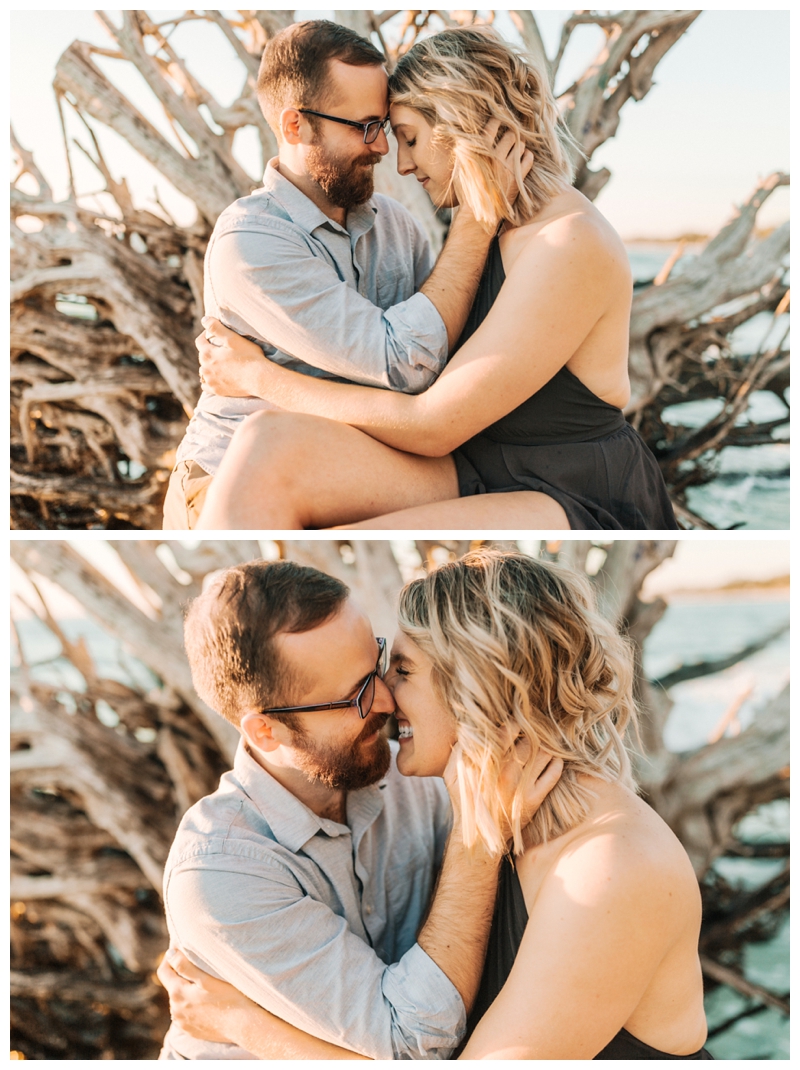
x=332 y=661
x=338 y=160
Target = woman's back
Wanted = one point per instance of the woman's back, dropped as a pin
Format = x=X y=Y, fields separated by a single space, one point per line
x=568 y=438
x=608 y=958
x=600 y=264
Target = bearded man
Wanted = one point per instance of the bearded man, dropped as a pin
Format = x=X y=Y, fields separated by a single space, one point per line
x=326 y=277
x=305 y=879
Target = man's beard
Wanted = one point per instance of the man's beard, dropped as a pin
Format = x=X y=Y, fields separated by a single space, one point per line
x=346 y=768
x=345 y=183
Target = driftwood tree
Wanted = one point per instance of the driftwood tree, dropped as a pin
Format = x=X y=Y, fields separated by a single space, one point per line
x=105 y=304
x=102 y=772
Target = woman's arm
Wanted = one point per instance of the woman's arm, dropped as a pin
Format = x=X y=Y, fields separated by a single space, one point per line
x=559 y=287
x=213 y=1010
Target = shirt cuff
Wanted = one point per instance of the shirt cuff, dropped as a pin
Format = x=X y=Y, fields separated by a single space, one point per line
x=419 y=341
x=425 y=997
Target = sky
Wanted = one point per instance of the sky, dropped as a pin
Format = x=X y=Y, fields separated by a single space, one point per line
x=716 y=120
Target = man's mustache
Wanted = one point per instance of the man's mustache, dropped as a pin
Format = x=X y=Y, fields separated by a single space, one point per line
x=373 y=725
x=369 y=161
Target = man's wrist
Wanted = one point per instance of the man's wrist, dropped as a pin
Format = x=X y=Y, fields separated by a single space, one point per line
x=465 y=223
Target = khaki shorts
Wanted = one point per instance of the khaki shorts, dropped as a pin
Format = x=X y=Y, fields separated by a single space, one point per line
x=186 y=494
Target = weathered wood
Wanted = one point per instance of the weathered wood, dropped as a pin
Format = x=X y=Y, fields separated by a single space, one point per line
x=159 y=647
x=142 y=273
x=94 y=808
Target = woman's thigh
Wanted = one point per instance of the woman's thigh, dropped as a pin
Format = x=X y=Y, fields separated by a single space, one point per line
x=290 y=471
x=519 y=509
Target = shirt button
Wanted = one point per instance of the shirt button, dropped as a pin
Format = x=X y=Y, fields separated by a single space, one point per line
x=368 y=909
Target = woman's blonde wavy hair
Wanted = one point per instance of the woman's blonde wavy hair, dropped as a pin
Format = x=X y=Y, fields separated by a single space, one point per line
x=519 y=652
x=460 y=79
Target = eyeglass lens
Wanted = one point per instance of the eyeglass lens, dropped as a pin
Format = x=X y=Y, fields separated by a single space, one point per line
x=372 y=130
x=366 y=700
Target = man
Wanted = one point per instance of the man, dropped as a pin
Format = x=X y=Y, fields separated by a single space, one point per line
x=304 y=879
x=312 y=266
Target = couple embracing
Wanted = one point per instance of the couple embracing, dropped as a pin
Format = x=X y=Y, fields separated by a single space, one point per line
x=489 y=886
x=350 y=381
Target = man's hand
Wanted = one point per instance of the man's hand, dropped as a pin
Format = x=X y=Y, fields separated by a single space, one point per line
x=200 y=1005
x=230 y=365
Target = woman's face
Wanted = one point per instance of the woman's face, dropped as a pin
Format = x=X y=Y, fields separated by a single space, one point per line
x=427 y=728
x=419 y=155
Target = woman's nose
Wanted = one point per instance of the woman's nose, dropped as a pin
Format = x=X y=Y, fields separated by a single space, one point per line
x=405 y=164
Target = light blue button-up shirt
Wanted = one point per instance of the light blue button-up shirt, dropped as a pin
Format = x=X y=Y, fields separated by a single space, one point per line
x=332 y=301
x=314 y=920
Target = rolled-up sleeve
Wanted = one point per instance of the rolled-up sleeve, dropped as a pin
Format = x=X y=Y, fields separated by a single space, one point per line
x=295 y=957
x=269 y=278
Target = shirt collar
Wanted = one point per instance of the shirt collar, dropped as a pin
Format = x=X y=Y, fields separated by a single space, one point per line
x=306 y=214
x=291 y=821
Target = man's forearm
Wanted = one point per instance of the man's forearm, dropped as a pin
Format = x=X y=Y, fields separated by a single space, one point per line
x=453 y=283
x=456 y=932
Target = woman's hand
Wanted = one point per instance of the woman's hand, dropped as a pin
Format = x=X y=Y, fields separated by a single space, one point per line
x=230 y=365
x=200 y=1004
x=539 y=777
x=508 y=154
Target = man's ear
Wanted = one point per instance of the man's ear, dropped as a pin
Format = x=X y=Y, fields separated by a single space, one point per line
x=262 y=732
x=291 y=124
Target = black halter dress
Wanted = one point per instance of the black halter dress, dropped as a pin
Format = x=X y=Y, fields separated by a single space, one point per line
x=508 y=925
x=566 y=442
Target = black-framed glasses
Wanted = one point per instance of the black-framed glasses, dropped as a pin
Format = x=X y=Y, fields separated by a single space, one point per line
x=363 y=700
x=371 y=129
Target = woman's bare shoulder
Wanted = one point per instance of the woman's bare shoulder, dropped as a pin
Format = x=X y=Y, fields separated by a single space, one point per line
x=624 y=850
x=569 y=223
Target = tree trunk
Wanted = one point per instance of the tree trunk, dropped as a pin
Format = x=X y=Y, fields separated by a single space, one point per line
x=101 y=774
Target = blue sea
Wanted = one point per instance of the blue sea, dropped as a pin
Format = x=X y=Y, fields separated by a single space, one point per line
x=752 y=485
x=693 y=628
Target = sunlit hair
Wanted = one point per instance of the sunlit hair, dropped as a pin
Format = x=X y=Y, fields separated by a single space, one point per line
x=519 y=652
x=460 y=79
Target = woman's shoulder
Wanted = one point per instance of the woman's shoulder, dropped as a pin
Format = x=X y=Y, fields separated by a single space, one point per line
x=629 y=846
x=623 y=853
x=569 y=225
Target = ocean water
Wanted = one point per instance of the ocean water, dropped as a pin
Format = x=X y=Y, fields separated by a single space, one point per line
x=692 y=629
x=752 y=486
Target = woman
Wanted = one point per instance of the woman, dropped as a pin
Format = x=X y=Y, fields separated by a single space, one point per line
x=593 y=949
x=524 y=428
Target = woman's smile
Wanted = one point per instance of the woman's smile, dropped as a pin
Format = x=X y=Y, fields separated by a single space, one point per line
x=404 y=729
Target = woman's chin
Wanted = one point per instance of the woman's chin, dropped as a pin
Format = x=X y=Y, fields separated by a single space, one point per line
x=411 y=764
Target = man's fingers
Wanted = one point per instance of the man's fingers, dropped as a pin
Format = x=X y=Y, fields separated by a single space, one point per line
x=167 y=975
x=184 y=968
x=526 y=162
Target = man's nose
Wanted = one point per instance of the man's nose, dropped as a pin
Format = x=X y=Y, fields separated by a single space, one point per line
x=384 y=700
x=381 y=143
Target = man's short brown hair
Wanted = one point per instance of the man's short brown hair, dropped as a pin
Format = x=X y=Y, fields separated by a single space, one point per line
x=294 y=67
x=230 y=629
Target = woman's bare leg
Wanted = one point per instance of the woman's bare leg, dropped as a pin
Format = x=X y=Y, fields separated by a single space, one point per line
x=288 y=471
x=511 y=510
